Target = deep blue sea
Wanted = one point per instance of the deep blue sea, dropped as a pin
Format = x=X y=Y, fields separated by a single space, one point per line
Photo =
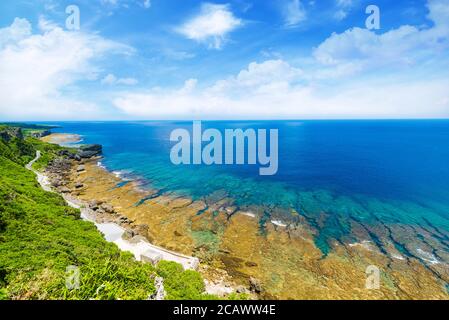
x=396 y=171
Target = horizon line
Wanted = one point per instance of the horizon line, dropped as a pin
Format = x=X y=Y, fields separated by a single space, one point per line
x=217 y=120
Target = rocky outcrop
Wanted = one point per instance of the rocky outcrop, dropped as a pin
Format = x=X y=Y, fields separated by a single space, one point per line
x=95 y=205
x=83 y=152
x=64 y=190
x=107 y=208
x=7 y=134
x=160 y=291
x=41 y=134
x=59 y=166
x=89 y=151
x=57 y=172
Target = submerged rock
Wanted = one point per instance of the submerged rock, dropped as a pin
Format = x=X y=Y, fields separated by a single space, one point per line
x=255 y=285
x=250 y=264
x=177 y=233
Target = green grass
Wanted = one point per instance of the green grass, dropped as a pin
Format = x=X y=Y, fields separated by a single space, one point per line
x=41 y=237
x=19 y=151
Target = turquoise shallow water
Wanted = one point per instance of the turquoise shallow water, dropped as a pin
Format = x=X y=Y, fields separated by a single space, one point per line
x=333 y=173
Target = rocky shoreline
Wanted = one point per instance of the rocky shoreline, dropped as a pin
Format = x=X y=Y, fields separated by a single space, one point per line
x=71 y=165
x=58 y=172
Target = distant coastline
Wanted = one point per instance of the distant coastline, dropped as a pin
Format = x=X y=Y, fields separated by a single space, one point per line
x=63 y=139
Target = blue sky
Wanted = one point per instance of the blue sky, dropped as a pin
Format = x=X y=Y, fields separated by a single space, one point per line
x=236 y=59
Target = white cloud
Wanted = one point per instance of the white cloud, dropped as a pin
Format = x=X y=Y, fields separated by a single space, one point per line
x=343 y=7
x=50 y=6
x=189 y=86
x=355 y=74
x=344 y=3
x=177 y=55
x=45 y=25
x=147 y=4
x=19 y=30
x=211 y=25
x=111 y=79
x=259 y=75
x=39 y=71
x=360 y=50
x=253 y=94
x=439 y=13
x=340 y=14
x=294 y=13
x=109 y=2
x=359 y=44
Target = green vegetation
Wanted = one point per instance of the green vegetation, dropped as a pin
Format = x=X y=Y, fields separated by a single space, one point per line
x=182 y=285
x=27 y=129
x=40 y=236
x=48 y=152
x=25 y=126
x=17 y=150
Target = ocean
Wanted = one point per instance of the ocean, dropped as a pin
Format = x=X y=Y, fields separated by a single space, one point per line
x=332 y=173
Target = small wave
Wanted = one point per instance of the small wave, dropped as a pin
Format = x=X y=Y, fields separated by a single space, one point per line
x=122 y=174
x=366 y=244
x=278 y=223
x=248 y=214
x=118 y=174
x=397 y=257
x=427 y=256
x=100 y=164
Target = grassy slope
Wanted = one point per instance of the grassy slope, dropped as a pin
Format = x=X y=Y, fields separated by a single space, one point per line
x=40 y=236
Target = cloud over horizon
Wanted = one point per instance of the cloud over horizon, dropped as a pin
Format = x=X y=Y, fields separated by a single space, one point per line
x=273 y=90
x=37 y=70
x=48 y=73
